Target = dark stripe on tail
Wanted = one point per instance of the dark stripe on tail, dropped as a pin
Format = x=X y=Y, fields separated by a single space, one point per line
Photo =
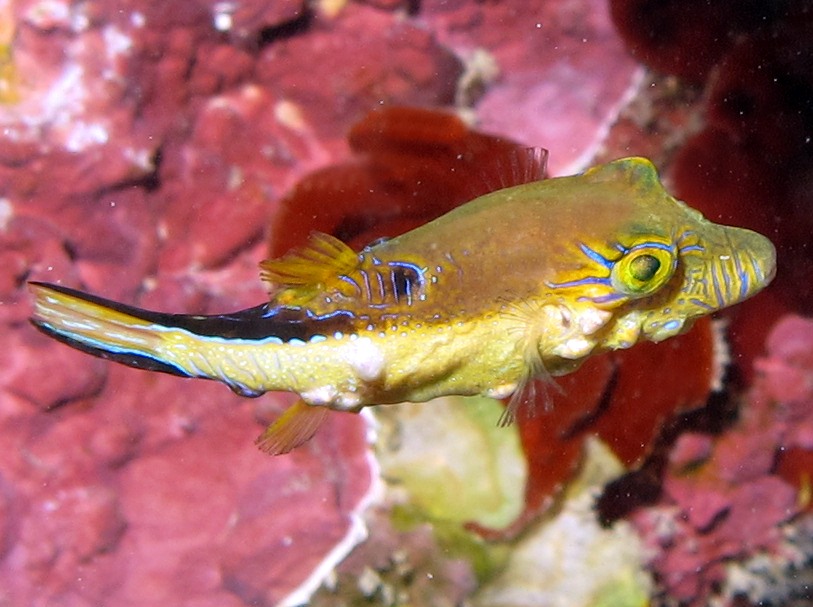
x=129 y=359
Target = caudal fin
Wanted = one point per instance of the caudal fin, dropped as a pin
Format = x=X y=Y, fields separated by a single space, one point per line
x=100 y=327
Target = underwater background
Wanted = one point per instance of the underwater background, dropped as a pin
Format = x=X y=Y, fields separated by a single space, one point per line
x=154 y=152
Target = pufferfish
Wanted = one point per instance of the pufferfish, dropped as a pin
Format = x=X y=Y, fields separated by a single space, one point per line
x=523 y=283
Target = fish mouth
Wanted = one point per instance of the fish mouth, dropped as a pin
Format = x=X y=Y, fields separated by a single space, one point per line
x=733 y=266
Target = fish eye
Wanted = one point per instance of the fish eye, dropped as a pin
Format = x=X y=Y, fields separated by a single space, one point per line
x=644 y=268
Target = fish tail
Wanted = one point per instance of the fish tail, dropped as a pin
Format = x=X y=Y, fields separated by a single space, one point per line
x=100 y=327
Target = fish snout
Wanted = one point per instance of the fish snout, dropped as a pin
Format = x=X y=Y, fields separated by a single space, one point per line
x=743 y=265
x=764 y=254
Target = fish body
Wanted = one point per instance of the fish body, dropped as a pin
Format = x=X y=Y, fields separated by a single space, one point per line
x=525 y=282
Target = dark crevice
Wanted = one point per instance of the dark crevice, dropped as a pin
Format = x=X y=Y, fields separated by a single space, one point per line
x=642 y=487
x=274 y=33
x=413 y=7
x=586 y=421
x=70 y=250
x=150 y=182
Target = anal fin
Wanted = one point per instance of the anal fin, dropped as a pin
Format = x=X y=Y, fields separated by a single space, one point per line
x=295 y=426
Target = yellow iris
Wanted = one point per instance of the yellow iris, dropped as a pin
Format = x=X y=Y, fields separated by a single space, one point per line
x=644 y=269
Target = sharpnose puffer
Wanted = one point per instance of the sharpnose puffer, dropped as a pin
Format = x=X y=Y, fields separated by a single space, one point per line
x=522 y=283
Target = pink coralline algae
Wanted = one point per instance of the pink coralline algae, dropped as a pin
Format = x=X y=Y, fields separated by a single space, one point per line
x=724 y=500
x=142 y=145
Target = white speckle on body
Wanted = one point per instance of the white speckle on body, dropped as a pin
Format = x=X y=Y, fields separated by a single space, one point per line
x=323 y=395
x=348 y=401
x=366 y=359
x=503 y=391
x=592 y=319
x=574 y=348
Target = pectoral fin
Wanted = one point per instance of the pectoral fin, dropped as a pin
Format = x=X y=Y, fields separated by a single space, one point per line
x=295 y=426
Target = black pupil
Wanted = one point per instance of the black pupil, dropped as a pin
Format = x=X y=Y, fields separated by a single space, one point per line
x=644 y=267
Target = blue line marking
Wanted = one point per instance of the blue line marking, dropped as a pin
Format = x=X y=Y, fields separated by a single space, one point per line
x=726 y=276
x=596 y=256
x=410 y=266
x=757 y=270
x=367 y=288
x=715 y=281
x=352 y=282
x=653 y=245
x=590 y=280
x=382 y=293
x=701 y=304
x=743 y=276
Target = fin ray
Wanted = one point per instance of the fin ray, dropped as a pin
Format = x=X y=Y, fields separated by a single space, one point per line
x=295 y=426
x=526 y=316
x=318 y=263
x=518 y=166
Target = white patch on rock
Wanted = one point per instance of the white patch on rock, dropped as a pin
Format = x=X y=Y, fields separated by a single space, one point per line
x=356 y=534
x=116 y=42
x=222 y=16
x=6 y=213
x=570 y=559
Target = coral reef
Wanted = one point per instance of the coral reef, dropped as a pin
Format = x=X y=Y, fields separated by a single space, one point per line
x=143 y=148
x=715 y=489
x=745 y=156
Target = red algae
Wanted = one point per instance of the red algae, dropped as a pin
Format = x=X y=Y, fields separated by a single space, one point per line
x=142 y=150
x=755 y=477
x=411 y=166
x=732 y=498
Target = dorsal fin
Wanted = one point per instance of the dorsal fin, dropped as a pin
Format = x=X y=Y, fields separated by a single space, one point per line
x=314 y=267
x=516 y=166
x=326 y=266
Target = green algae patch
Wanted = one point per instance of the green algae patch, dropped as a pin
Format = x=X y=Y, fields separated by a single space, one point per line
x=569 y=559
x=451 y=462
